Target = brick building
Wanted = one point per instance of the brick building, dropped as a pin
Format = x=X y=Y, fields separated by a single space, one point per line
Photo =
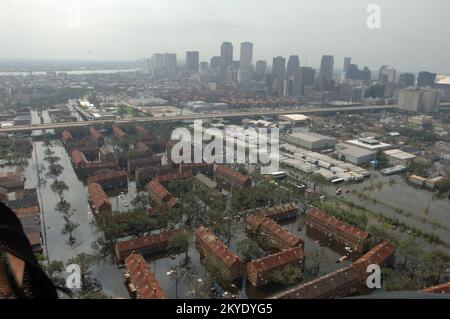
x=228 y=177
x=280 y=212
x=337 y=230
x=147 y=245
x=119 y=133
x=273 y=233
x=110 y=180
x=78 y=159
x=439 y=289
x=219 y=254
x=67 y=140
x=380 y=255
x=160 y=194
x=97 y=136
x=168 y=178
x=143 y=175
x=98 y=199
x=140 y=281
x=133 y=164
x=260 y=271
x=195 y=168
x=337 y=284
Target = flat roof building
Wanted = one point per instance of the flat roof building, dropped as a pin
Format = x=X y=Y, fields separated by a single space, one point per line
x=310 y=141
x=369 y=144
x=399 y=157
x=353 y=154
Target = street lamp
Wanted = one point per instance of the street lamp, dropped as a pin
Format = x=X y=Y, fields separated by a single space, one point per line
x=170 y=273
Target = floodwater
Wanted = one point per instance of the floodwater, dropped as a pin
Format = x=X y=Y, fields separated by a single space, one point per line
x=396 y=194
x=107 y=273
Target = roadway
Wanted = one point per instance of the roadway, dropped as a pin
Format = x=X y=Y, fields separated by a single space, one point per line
x=191 y=117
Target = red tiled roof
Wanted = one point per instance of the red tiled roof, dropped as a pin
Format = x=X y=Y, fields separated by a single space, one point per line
x=142 y=242
x=273 y=228
x=66 y=136
x=439 y=289
x=142 y=279
x=277 y=260
x=141 y=130
x=342 y=226
x=98 y=195
x=118 y=132
x=278 y=210
x=173 y=177
x=78 y=157
x=157 y=189
x=27 y=211
x=227 y=171
x=188 y=166
x=95 y=133
x=320 y=287
x=377 y=255
x=217 y=247
x=106 y=176
x=141 y=147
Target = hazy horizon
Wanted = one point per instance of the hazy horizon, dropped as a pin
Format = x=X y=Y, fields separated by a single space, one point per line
x=412 y=35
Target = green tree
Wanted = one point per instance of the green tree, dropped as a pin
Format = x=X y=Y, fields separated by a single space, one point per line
x=288 y=275
x=249 y=250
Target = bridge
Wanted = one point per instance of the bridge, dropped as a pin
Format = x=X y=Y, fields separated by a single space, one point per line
x=191 y=117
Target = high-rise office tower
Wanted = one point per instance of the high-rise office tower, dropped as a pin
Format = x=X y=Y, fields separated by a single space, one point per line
x=279 y=67
x=426 y=79
x=326 y=67
x=365 y=74
x=260 y=70
x=246 y=54
x=386 y=74
x=326 y=72
x=192 y=61
x=304 y=77
x=347 y=62
x=170 y=60
x=226 y=56
x=407 y=79
x=292 y=65
x=204 y=67
x=215 y=62
x=158 y=61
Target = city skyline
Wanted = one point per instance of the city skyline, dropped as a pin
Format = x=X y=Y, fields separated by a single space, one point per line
x=108 y=30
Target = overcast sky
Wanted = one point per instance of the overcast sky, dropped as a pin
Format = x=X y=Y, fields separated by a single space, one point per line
x=414 y=34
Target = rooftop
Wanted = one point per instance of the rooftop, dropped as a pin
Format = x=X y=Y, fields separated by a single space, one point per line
x=277 y=260
x=342 y=226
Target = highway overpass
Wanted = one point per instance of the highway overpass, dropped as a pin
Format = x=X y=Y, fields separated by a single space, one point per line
x=190 y=117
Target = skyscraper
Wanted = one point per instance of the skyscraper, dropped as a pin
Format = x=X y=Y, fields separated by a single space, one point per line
x=278 y=67
x=347 y=62
x=192 y=61
x=426 y=79
x=386 y=74
x=215 y=62
x=170 y=60
x=260 y=70
x=326 y=72
x=226 y=57
x=292 y=65
x=303 y=77
x=246 y=54
x=407 y=79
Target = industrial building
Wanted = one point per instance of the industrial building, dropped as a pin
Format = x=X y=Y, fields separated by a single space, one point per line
x=310 y=141
x=353 y=154
x=399 y=157
x=369 y=144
